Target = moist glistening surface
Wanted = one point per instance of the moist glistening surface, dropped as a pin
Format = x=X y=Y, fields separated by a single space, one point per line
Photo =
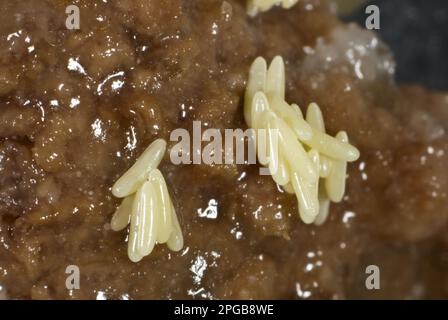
x=77 y=107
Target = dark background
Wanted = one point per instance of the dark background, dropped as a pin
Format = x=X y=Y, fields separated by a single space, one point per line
x=417 y=33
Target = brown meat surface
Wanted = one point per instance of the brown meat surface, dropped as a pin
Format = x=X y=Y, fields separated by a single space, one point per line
x=78 y=106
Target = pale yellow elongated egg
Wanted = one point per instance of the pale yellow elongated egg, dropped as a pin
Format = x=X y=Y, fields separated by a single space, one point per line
x=276 y=161
x=281 y=175
x=176 y=240
x=302 y=158
x=293 y=118
x=332 y=147
x=165 y=221
x=335 y=182
x=297 y=110
x=260 y=104
x=272 y=142
x=324 y=207
x=275 y=81
x=256 y=6
x=260 y=115
x=308 y=205
x=297 y=156
x=134 y=177
x=315 y=118
x=262 y=147
x=147 y=212
x=288 y=187
x=324 y=143
x=255 y=83
x=325 y=166
x=288 y=3
x=133 y=248
x=122 y=215
x=314 y=184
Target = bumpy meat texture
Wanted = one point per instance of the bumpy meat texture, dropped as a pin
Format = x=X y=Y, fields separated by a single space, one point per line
x=78 y=106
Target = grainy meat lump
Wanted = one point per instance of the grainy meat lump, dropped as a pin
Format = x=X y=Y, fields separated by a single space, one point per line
x=78 y=107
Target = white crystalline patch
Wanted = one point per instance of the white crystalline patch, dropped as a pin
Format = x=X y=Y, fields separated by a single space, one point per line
x=74 y=65
x=74 y=102
x=117 y=85
x=348 y=215
x=97 y=130
x=351 y=49
x=211 y=212
x=3 y=294
x=198 y=269
x=304 y=294
x=101 y=296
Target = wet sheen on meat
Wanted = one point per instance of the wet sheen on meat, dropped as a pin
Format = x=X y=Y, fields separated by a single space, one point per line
x=78 y=106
